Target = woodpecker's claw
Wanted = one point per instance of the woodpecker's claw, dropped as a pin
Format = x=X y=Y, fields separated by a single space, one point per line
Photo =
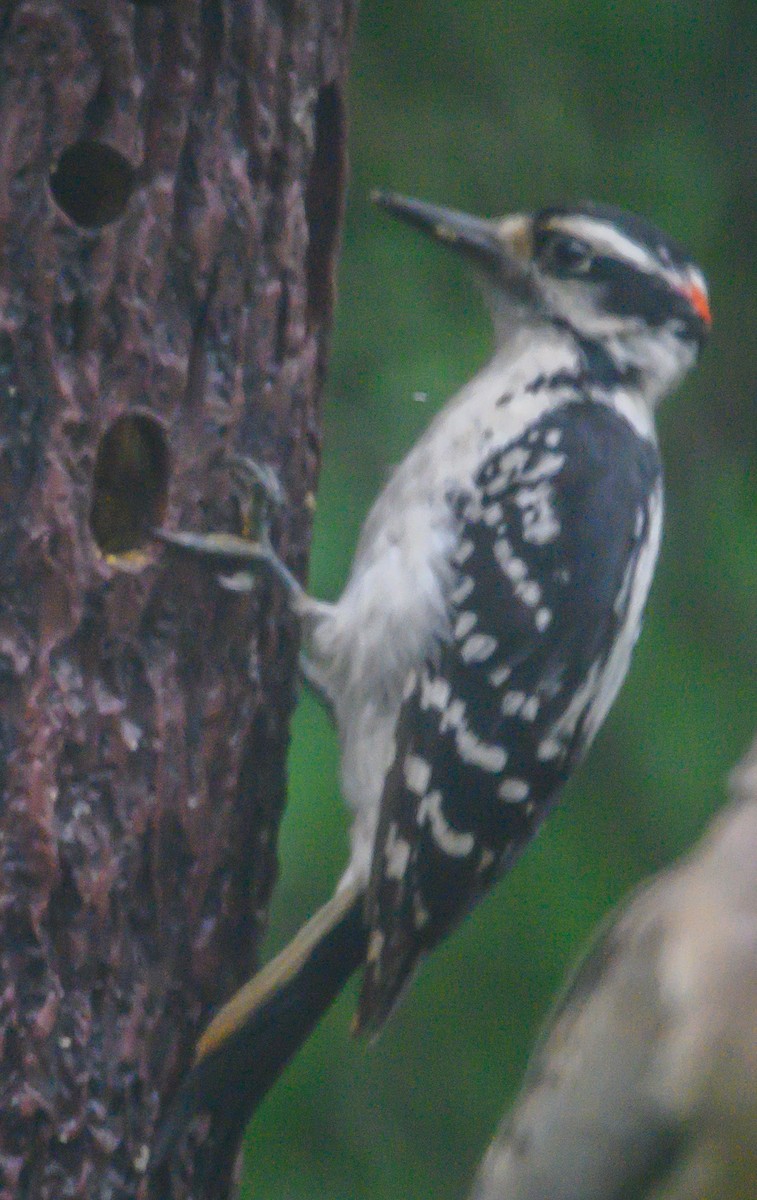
x=259 y=476
x=259 y=490
x=226 y=547
x=242 y=556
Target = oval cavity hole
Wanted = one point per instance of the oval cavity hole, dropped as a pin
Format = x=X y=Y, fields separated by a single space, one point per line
x=130 y=484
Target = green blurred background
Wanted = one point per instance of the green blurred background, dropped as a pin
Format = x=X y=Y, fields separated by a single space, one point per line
x=490 y=107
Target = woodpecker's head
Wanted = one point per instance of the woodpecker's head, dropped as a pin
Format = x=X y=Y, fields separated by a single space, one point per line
x=631 y=297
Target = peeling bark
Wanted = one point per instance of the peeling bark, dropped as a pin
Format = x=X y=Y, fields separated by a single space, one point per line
x=171 y=177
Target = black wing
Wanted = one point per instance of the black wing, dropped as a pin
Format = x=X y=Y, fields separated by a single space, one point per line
x=493 y=726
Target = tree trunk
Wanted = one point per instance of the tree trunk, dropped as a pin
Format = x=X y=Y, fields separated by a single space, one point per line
x=171 y=179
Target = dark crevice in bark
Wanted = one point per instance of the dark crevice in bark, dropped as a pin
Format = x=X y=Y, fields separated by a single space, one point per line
x=323 y=202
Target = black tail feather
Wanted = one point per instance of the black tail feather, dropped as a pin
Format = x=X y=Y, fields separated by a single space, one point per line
x=252 y=1039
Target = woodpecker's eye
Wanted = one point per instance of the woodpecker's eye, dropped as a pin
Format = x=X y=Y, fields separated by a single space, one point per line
x=566 y=255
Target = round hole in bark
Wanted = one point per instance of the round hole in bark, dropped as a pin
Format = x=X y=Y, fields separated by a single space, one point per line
x=92 y=182
x=130 y=484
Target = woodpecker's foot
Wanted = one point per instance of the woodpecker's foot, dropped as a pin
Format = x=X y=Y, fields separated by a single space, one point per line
x=238 y=559
x=259 y=492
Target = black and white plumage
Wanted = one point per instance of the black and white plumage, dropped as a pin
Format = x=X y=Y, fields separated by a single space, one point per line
x=560 y=537
x=494 y=600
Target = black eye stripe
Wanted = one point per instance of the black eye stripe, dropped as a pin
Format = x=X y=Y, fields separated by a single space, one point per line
x=628 y=291
x=623 y=288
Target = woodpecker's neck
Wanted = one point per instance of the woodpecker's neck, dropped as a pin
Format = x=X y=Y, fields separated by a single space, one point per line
x=650 y=361
x=615 y=359
x=529 y=357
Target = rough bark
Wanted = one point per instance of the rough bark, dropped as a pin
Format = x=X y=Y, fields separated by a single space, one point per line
x=170 y=196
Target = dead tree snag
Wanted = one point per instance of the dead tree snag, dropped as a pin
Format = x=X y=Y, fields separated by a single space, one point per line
x=171 y=176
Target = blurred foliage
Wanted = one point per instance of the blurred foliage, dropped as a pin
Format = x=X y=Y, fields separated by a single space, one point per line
x=490 y=107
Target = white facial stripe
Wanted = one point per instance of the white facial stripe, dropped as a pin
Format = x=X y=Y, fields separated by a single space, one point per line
x=606 y=239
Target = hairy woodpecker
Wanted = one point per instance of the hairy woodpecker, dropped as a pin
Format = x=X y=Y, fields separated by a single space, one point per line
x=488 y=621
x=644 y=1085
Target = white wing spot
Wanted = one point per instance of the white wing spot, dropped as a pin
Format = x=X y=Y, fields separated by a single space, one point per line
x=470 y=748
x=480 y=754
x=421 y=916
x=375 y=946
x=529 y=592
x=516 y=570
x=548 y=749
x=530 y=709
x=486 y=860
x=463 y=590
x=500 y=675
x=456 y=844
x=503 y=552
x=410 y=684
x=463 y=552
x=552 y=438
x=453 y=716
x=512 y=702
x=547 y=465
x=474 y=509
x=464 y=624
x=493 y=515
x=396 y=853
x=542 y=619
x=417 y=774
x=513 y=791
x=435 y=693
x=478 y=647
x=529 y=495
x=540 y=525
x=513 y=460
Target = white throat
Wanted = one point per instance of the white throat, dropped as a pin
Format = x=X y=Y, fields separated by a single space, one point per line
x=659 y=358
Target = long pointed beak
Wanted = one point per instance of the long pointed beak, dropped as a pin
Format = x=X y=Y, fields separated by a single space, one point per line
x=475 y=237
